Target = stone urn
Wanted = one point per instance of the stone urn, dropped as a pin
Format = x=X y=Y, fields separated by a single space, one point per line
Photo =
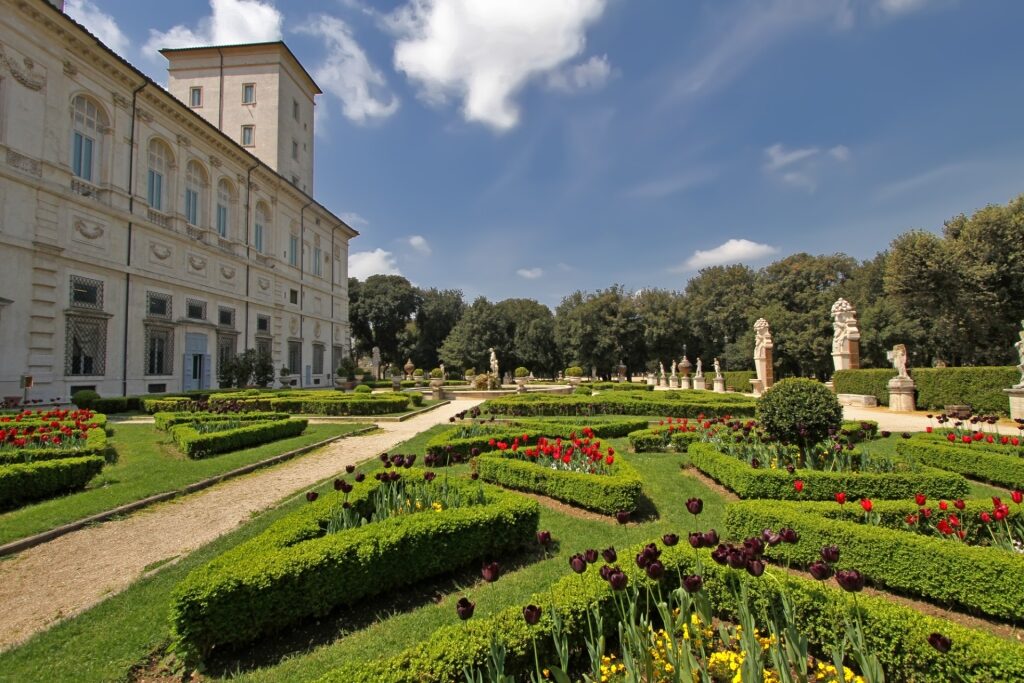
x=409 y=367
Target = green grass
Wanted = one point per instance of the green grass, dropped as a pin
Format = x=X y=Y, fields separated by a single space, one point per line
x=147 y=464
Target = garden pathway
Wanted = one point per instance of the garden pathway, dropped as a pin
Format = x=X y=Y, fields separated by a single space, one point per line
x=56 y=580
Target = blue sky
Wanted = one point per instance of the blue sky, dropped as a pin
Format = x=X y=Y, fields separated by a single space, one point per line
x=535 y=147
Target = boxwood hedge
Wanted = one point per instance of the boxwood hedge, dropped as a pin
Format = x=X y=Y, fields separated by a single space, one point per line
x=981 y=388
x=661 y=440
x=974 y=462
x=897 y=634
x=164 y=421
x=293 y=570
x=95 y=444
x=979 y=579
x=25 y=483
x=605 y=493
x=199 y=445
x=662 y=403
x=748 y=482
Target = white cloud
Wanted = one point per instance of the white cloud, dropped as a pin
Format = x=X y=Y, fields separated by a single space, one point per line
x=589 y=75
x=530 y=273
x=800 y=167
x=484 y=52
x=419 y=243
x=101 y=25
x=901 y=6
x=663 y=187
x=348 y=74
x=231 y=22
x=779 y=157
x=800 y=180
x=363 y=264
x=354 y=219
x=840 y=152
x=732 y=251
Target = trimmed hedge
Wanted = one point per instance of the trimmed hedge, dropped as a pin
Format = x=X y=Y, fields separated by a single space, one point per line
x=293 y=570
x=984 y=465
x=661 y=440
x=981 y=388
x=897 y=634
x=738 y=379
x=748 y=482
x=197 y=445
x=604 y=493
x=164 y=421
x=25 y=483
x=618 y=386
x=95 y=444
x=979 y=579
x=662 y=403
x=307 y=402
x=99 y=419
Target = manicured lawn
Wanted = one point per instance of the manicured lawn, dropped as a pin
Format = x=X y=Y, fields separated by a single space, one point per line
x=147 y=464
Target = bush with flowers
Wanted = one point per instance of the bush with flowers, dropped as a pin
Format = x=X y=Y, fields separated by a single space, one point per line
x=297 y=569
x=578 y=470
x=994 y=458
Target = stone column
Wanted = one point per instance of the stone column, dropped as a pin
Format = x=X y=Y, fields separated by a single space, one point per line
x=846 y=338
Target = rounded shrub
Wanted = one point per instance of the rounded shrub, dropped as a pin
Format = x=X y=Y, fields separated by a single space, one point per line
x=522 y=372
x=799 y=411
x=362 y=389
x=574 y=371
x=582 y=391
x=84 y=398
x=436 y=373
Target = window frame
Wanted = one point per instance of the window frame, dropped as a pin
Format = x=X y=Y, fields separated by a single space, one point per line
x=165 y=366
x=159 y=296
x=193 y=91
x=221 y=310
x=249 y=128
x=159 y=163
x=189 y=303
x=98 y=365
x=89 y=123
x=82 y=281
x=249 y=89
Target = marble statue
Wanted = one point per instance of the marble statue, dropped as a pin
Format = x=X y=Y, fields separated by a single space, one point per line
x=674 y=367
x=494 y=363
x=700 y=368
x=718 y=369
x=845 y=337
x=898 y=358
x=1020 y=359
x=444 y=375
x=662 y=366
x=375 y=362
x=763 y=345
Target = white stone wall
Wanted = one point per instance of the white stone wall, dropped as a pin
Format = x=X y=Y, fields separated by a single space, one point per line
x=54 y=225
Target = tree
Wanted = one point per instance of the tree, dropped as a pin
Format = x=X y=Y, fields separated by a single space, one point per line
x=379 y=310
x=479 y=329
x=437 y=314
x=600 y=329
x=664 y=325
x=719 y=309
x=530 y=330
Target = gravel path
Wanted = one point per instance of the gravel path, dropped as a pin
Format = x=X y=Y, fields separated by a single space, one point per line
x=56 y=580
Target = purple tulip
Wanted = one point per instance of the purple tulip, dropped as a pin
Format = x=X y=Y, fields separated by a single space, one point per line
x=578 y=563
x=695 y=506
x=338 y=484
x=830 y=554
x=622 y=516
x=642 y=561
x=720 y=554
x=696 y=539
x=464 y=608
x=820 y=570
x=670 y=540
x=655 y=570
x=491 y=571
x=710 y=538
x=544 y=538
x=590 y=555
x=350 y=468
x=940 y=642
x=609 y=555
x=312 y=495
x=474 y=476
x=531 y=613
x=755 y=568
x=693 y=583
x=429 y=476
x=850 y=580
x=789 y=535
x=360 y=477
x=605 y=571
x=617 y=579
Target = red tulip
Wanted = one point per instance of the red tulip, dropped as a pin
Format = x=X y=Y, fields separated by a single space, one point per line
x=943 y=505
x=951 y=437
x=985 y=517
x=1017 y=497
x=866 y=504
x=798 y=485
x=920 y=498
x=840 y=497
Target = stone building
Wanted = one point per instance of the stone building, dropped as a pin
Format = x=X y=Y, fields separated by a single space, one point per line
x=148 y=234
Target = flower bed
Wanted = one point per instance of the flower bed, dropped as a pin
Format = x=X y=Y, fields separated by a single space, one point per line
x=197 y=444
x=672 y=435
x=164 y=421
x=671 y=403
x=980 y=579
x=296 y=570
x=974 y=461
x=26 y=444
x=82 y=419
x=576 y=472
x=899 y=635
x=750 y=482
x=26 y=483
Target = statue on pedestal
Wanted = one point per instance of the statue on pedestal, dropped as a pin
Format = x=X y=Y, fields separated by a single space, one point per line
x=763 y=345
x=898 y=358
x=494 y=363
x=662 y=366
x=700 y=368
x=1020 y=352
x=674 y=366
x=718 y=369
x=846 y=336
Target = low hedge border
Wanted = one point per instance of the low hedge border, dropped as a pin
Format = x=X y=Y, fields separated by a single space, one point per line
x=164 y=421
x=99 y=419
x=978 y=579
x=897 y=634
x=26 y=483
x=663 y=403
x=979 y=387
x=294 y=571
x=95 y=444
x=197 y=445
x=618 y=386
x=747 y=482
x=1001 y=470
x=604 y=493
x=661 y=440
x=327 y=404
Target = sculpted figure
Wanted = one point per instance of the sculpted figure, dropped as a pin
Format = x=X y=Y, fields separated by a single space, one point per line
x=898 y=358
x=763 y=346
x=1020 y=359
x=718 y=369
x=494 y=362
x=700 y=368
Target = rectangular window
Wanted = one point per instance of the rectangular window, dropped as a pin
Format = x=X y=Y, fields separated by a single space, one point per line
x=86 y=293
x=295 y=150
x=226 y=317
x=192 y=207
x=249 y=93
x=263 y=323
x=195 y=309
x=222 y=220
x=293 y=250
x=293 y=296
x=295 y=357
x=85 y=346
x=225 y=349
x=158 y=305
x=248 y=136
x=155 y=190
x=318 y=263
x=295 y=109
x=159 y=350
x=81 y=161
x=318 y=359
x=263 y=346
x=156 y=388
x=257 y=237
x=195 y=97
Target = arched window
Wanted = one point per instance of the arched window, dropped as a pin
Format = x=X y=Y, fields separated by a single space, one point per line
x=261 y=225
x=160 y=162
x=225 y=199
x=88 y=124
x=195 y=184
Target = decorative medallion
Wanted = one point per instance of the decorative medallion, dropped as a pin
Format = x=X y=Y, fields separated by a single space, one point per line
x=196 y=262
x=160 y=251
x=263 y=283
x=227 y=272
x=89 y=231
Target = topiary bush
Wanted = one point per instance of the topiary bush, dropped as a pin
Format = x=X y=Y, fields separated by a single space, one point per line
x=574 y=371
x=84 y=398
x=799 y=411
x=522 y=372
x=582 y=391
x=363 y=389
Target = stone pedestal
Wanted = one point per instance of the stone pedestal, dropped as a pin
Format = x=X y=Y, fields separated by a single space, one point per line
x=700 y=383
x=901 y=394
x=652 y=380
x=673 y=382
x=437 y=393
x=520 y=387
x=1016 y=402
x=664 y=381
x=849 y=360
x=756 y=387
x=720 y=385
x=686 y=382
x=858 y=400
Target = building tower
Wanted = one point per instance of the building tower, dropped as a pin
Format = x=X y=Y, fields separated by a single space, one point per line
x=257 y=94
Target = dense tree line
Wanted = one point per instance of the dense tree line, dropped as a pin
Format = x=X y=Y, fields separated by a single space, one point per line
x=955 y=297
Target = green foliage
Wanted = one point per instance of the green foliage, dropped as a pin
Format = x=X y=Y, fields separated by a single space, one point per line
x=25 y=483
x=84 y=398
x=195 y=444
x=582 y=391
x=969 y=460
x=799 y=411
x=416 y=399
x=604 y=493
x=479 y=329
x=164 y=421
x=116 y=404
x=574 y=371
x=898 y=634
x=95 y=444
x=978 y=579
x=617 y=386
x=739 y=379
x=666 y=403
x=661 y=440
x=294 y=570
x=436 y=373
x=436 y=315
x=748 y=482
x=379 y=310
x=600 y=329
x=981 y=388
x=522 y=372
x=362 y=389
